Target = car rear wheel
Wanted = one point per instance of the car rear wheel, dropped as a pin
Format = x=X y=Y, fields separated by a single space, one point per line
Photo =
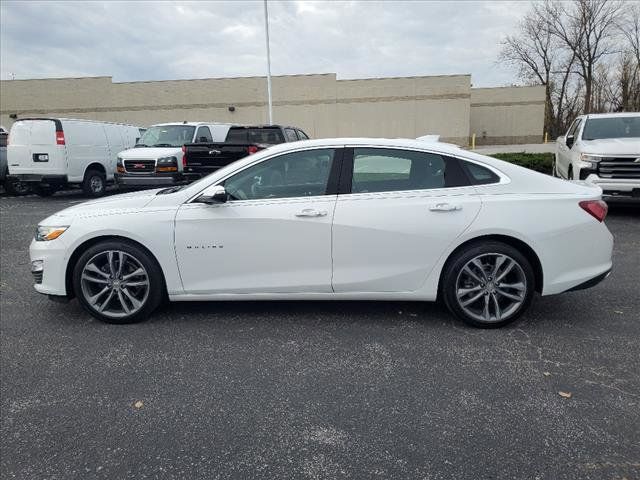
x=118 y=282
x=94 y=183
x=16 y=187
x=488 y=285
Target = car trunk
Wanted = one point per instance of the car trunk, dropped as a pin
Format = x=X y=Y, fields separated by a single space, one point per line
x=37 y=147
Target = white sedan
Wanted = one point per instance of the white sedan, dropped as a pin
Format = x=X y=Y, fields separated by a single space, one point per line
x=333 y=219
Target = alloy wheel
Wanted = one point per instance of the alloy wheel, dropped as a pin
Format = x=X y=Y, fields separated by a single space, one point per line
x=96 y=184
x=491 y=287
x=115 y=283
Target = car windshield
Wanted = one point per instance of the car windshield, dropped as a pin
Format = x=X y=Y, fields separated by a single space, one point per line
x=167 y=136
x=612 y=127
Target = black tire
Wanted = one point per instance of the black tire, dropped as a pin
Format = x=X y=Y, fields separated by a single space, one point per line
x=44 y=190
x=452 y=274
x=16 y=188
x=94 y=184
x=156 y=285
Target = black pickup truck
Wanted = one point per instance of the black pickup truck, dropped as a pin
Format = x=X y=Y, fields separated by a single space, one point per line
x=200 y=159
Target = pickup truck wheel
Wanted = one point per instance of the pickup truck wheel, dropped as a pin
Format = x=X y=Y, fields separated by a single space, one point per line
x=44 y=190
x=118 y=282
x=94 y=183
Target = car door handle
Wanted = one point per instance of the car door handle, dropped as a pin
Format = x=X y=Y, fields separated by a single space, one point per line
x=311 y=212
x=445 y=207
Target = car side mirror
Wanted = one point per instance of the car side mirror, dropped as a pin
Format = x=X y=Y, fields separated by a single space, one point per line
x=569 y=139
x=215 y=194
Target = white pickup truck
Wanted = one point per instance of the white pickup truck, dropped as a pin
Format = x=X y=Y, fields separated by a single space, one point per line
x=603 y=149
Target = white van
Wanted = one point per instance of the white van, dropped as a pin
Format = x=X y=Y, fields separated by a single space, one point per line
x=51 y=153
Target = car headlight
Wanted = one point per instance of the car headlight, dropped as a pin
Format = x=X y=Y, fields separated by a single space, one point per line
x=590 y=161
x=45 y=234
x=167 y=161
x=119 y=160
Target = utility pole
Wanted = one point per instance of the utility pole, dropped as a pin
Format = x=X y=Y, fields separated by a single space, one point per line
x=266 y=29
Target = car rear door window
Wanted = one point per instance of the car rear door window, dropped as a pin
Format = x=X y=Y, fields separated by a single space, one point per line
x=387 y=170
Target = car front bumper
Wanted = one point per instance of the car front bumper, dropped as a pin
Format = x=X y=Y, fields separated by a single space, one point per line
x=154 y=179
x=48 y=266
x=616 y=186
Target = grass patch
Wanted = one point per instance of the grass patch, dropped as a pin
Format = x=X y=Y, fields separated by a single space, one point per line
x=540 y=162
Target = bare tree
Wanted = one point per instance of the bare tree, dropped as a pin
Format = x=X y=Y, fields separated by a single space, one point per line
x=629 y=70
x=533 y=52
x=588 y=29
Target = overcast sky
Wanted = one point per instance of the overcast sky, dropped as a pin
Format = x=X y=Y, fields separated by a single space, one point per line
x=170 y=40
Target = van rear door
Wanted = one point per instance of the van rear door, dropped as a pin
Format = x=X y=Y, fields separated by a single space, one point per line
x=35 y=149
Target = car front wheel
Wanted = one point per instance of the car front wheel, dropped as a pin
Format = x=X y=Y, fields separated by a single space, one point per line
x=488 y=285
x=118 y=282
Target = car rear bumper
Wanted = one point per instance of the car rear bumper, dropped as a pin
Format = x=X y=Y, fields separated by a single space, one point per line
x=157 y=179
x=591 y=282
x=48 y=179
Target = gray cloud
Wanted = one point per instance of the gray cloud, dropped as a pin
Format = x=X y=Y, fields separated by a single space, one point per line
x=170 y=40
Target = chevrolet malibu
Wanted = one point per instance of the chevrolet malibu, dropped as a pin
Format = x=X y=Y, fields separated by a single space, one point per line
x=333 y=219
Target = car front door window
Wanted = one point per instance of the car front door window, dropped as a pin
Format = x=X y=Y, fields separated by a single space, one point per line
x=296 y=174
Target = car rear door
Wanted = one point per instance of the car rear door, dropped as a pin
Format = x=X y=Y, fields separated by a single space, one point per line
x=34 y=148
x=400 y=212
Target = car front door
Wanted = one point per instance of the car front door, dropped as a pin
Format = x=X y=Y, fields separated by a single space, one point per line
x=403 y=209
x=272 y=235
x=564 y=151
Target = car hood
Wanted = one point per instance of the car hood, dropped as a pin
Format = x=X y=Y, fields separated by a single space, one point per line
x=149 y=153
x=113 y=205
x=613 y=146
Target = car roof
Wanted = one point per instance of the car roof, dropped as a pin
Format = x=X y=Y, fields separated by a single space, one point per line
x=193 y=124
x=66 y=119
x=373 y=142
x=612 y=115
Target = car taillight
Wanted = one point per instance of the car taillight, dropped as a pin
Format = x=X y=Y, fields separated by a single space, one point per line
x=184 y=156
x=251 y=149
x=596 y=208
x=59 y=137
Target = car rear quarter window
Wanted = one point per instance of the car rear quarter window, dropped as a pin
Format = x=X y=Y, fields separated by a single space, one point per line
x=387 y=170
x=479 y=175
x=302 y=135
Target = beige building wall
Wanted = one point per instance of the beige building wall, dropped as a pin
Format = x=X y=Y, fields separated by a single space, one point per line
x=507 y=115
x=320 y=104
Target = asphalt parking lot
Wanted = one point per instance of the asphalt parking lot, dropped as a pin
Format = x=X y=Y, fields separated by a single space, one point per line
x=318 y=390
